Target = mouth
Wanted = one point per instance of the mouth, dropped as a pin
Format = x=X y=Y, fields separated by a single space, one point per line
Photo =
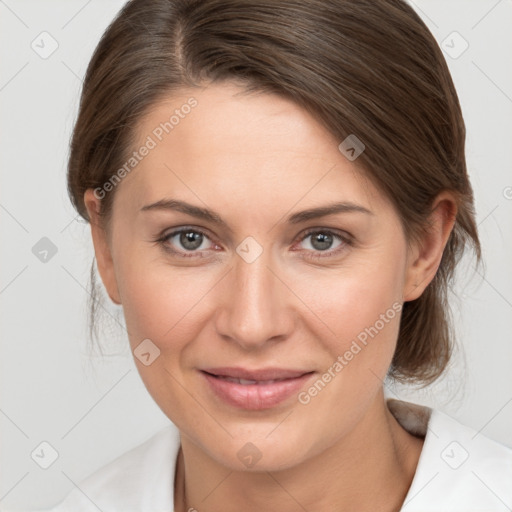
x=255 y=389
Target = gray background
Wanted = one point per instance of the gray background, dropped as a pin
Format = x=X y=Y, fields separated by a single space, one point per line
x=92 y=408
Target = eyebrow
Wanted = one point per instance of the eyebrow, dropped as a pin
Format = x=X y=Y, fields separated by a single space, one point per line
x=215 y=218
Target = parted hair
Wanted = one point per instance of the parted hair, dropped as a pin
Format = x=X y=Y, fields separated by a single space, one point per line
x=365 y=67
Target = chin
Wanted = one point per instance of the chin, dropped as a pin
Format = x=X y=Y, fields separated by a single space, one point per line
x=257 y=453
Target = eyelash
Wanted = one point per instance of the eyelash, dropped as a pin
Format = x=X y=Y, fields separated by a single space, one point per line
x=346 y=240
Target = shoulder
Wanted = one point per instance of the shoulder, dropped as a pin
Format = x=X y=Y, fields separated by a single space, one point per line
x=138 y=480
x=460 y=469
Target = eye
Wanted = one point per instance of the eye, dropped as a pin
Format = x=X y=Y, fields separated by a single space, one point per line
x=322 y=241
x=187 y=239
x=191 y=242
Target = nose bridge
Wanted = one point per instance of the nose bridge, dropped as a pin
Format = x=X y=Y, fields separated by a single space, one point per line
x=255 y=308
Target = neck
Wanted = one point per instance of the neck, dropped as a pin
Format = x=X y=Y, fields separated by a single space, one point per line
x=369 y=469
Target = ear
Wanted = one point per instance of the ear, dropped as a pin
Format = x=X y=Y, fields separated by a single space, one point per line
x=425 y=254
x=101 y=246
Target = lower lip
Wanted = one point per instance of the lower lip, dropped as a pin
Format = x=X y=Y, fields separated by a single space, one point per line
x=255 y=396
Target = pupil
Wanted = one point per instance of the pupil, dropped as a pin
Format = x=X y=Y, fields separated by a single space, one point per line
x=324 y=240
x=190 y=240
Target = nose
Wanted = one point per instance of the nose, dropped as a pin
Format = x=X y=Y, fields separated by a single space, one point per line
x=256 y=304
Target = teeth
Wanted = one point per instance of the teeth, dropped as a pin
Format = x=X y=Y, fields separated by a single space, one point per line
x=243 y=381
x=246 y=382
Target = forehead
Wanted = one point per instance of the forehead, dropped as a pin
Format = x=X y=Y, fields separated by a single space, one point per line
x=220 y=142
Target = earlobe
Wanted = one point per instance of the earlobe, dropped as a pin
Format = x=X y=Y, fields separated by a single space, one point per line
x=101 y=247
x=425 y=257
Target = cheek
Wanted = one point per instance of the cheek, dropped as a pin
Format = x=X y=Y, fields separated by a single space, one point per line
x=357 y=312
x=161 y=304
x=154 y=298
x=363 y=316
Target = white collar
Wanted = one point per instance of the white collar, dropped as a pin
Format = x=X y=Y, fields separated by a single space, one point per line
x=459 y=470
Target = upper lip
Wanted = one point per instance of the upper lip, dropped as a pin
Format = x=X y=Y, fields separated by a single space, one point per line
x=257 y=374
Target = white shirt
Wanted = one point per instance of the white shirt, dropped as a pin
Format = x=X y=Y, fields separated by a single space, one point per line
x=459 y=470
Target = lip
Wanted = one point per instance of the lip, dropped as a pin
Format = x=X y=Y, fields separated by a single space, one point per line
x=259 y=395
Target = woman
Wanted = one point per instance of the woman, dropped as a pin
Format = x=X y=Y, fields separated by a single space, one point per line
x=278 y=199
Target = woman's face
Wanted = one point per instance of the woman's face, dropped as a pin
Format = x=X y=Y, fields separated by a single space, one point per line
x=258 y=283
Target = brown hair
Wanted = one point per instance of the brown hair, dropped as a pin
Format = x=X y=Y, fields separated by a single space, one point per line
x=364 y=67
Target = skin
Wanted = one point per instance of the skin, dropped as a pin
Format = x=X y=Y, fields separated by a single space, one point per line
x=256 y=159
